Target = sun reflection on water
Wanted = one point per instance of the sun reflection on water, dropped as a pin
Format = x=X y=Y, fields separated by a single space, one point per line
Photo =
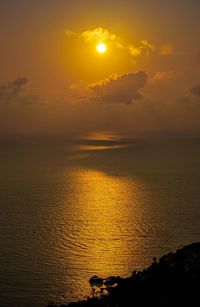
x=102 y=218
x=103 y=227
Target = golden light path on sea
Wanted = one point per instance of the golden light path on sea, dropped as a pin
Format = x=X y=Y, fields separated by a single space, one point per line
x=104 y=211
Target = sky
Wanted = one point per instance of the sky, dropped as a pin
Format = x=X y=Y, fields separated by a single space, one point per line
x=54 y=82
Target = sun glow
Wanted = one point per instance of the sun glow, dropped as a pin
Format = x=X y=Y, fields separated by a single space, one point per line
x=101 y=48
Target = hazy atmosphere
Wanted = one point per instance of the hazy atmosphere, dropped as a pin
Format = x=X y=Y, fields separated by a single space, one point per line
x=99 y=153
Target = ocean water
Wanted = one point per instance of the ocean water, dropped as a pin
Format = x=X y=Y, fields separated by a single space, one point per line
x=102 y=205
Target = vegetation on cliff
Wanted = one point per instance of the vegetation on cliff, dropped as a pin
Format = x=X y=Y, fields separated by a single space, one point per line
x=174 y=280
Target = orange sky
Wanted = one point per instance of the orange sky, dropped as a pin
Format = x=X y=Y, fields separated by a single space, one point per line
x=53 y=81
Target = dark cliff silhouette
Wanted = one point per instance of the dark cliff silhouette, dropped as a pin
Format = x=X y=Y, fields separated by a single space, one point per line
x=174 y=280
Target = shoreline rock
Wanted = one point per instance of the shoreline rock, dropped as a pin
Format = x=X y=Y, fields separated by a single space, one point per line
x=172 y=280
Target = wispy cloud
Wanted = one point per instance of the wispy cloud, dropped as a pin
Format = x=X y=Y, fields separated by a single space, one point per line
x=99 y=35
x=95 y=35
x=145 y=48
x=13 y=93
x=167 y=49
x=163 y=75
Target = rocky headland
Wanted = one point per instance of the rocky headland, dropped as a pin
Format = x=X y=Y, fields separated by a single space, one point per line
x=173 y=280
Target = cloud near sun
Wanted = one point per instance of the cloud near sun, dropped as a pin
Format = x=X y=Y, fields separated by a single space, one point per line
x=99 y=35
x=115 y=89
x=102 y=35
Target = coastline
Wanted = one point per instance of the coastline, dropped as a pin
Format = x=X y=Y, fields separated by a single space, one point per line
x=173 y=279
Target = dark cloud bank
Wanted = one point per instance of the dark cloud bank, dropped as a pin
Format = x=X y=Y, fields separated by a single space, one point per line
x=120 y=89
x=13 y=93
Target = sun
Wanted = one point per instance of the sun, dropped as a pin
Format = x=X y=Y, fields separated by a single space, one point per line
x=101 y=48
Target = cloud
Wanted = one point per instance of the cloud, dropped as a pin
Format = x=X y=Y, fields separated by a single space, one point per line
x=119 y=89
x=14 y=88
x=70 y=33
x=99 y=35
x=144 y=49
x=196 y=91
x=164 y=75
x=13 y=93
x=167 y=49
x=96 y=35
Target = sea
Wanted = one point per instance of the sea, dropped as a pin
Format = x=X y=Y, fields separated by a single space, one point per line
x=97 y=204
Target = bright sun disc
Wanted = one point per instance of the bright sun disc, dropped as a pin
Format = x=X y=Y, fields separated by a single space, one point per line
x=101 y=48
